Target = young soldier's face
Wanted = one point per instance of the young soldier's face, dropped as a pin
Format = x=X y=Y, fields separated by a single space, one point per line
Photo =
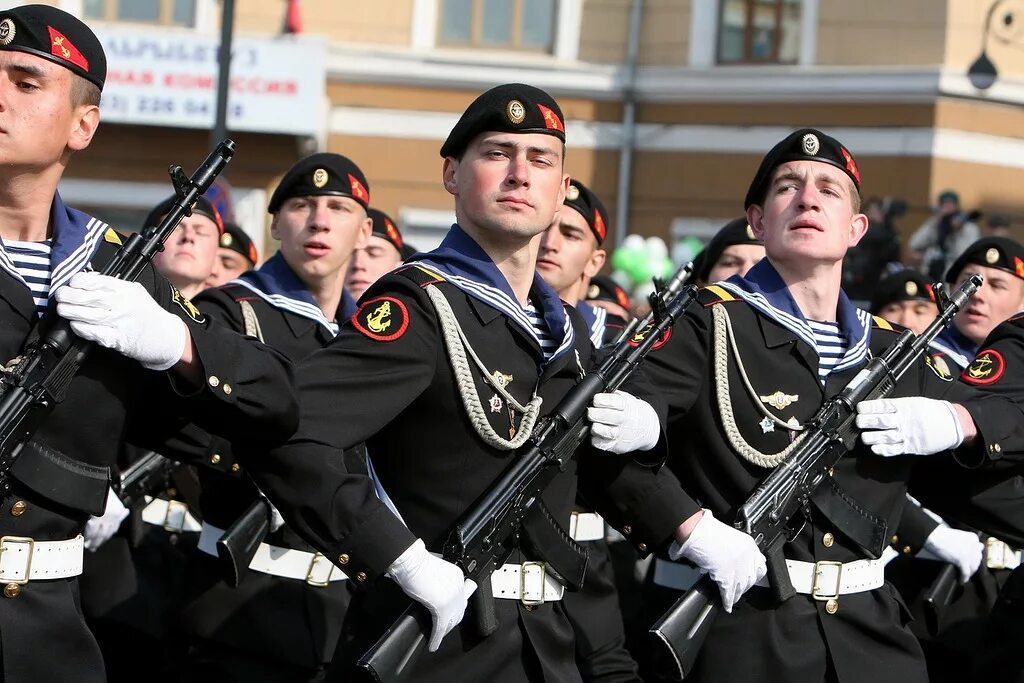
x=188 y=256
x=736 y=259
x=914 y=315
x=508 y=184
x=318 y=235
x=568 y=251
x=369 y=263
x=228 y=265
x=807 y=218
x=998 y=298
x=38 y=122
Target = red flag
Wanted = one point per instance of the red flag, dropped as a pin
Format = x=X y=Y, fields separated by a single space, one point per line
x=293 y=18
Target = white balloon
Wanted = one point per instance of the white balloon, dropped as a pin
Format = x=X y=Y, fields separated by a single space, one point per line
x=632 y=242
x=656 y=247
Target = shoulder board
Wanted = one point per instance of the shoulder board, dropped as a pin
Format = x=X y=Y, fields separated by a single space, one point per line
x=420 y=276
x=113 y=237
x=882 y=323
x=713 y=294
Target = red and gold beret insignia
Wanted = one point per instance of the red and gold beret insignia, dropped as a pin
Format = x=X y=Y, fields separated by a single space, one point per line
x=393 y=233
x=851 y=165
x=599 y=228
x=987 y=368
x=551 y=120
x=1018 y=266
x=358 y=191
x=382 y=319
x=61 y=47
x=253 y=256
x=622 y=298
x=639 y=336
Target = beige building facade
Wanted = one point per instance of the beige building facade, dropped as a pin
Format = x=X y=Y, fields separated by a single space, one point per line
x=669 y=104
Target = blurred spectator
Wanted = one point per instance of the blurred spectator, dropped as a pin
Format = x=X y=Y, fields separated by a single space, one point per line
x=866 y=262
x=943 y=237
x=235 y=255
x=997 y=225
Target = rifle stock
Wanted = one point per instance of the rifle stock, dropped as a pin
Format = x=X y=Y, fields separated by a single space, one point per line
x=787 y=490
x=488 y=532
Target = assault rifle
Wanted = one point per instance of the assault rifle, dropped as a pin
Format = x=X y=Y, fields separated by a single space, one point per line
x=791 y=487
x=144 y=476
x=492 y=528
x=33 y=384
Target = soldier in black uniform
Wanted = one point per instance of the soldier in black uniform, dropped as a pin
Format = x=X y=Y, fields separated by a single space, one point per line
x=190 y=251
x=570 y=255
x=383 y=253
x=157 y=357
x=985 y=500
x=236 y=255
x=280 y=620
x=743 y=374
x=443 y=371
x=733 y=250
x=905 y=298
x=604 y=292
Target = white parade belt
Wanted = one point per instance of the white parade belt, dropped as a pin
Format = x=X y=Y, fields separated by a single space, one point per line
x=999 y=555
x=25 y=559
x=822 y=580
x=528 y=582
x=288 y=563
x=586 y=526
x=172 y=515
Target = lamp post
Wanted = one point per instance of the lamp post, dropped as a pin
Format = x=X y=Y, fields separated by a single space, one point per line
x=227 y=25
x=1007 y=30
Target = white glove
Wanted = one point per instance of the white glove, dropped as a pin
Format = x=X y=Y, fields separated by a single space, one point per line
x=439 y=585
x=962 y=549
x=276 y=520
x=728 y=555
x=622 y=423
x=122 y=316
x=98 y=530
x=909 y=426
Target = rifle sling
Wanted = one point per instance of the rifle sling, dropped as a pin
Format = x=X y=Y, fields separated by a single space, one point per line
x=546 y=540
x=858 y=524
x=63 y=480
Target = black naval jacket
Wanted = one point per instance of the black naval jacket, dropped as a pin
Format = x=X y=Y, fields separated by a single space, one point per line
x=796 y=640
x=113 y=399
x=273 y=617
x=386 y=380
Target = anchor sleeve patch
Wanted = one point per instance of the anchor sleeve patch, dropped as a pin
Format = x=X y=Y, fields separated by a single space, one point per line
x=640 y=335
x=382 y=319
x=186 y=305
x=987 y=368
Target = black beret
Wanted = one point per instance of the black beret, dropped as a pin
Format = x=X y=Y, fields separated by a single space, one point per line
x=995 y=252
x=509 y=108
x=55 y=35
x=322 y=174
x=903 y=285
x=603 y=288
x=235 y=239
x=408 y=251
x=384 y=227
x=203 y=207
x=579 y=197
x=736 y=231
x=806 y=144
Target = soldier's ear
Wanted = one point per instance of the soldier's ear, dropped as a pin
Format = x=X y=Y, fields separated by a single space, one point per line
x=755 y=219
x=451 y=165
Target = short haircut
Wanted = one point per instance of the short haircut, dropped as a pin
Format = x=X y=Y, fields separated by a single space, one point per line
x=83 y=92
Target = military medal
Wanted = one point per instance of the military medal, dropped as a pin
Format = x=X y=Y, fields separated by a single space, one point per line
x=495 y=404
x=767 y=425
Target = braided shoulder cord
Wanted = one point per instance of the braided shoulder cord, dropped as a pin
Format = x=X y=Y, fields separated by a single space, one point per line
x=723 y=330
x=457 y=345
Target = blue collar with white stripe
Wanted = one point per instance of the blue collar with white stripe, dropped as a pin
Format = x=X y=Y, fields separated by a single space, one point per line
x=76 y=236
x=467 y=266
x=277 y=284
x=764 y=289
x=595 y=318
x=954 y=344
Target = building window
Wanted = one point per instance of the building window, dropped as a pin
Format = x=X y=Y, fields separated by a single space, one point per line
x=166 y=12
x=498 y=24
x=759 y=32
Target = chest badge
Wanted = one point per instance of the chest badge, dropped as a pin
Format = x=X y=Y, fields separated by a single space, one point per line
x=500 y=379
x=780 y=400
x=495 y=404
x=767 y=425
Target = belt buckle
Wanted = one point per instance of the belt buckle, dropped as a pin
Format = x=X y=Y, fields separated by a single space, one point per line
x=998 y=554
x=31 y=542
x=817 y=575
x=531 y=569
x=173 y=505
x=312 y=568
